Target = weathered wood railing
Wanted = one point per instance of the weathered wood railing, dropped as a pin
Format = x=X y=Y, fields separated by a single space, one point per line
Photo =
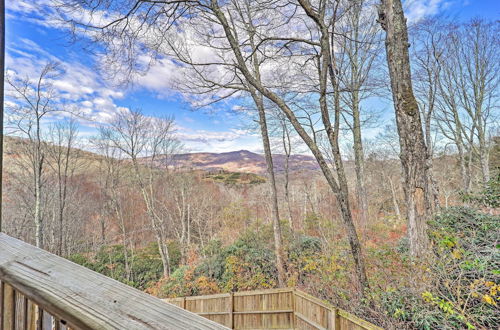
x=41 y=291
x=272 y=309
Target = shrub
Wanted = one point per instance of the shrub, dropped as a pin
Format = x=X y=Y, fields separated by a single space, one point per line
x=144 y=265
x=467 y=271
x=489 y=196
x=464 y=276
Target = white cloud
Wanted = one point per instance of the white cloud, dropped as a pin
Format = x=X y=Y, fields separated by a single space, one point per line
x=205 y=136
x=250 y=143
x=416 y=10
x=39 y=12
x=159 y=78
x=76 y=86
x=218 y=141
x=27 y=6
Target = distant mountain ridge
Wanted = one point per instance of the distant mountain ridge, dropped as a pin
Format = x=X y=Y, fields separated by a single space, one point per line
x=242 y=161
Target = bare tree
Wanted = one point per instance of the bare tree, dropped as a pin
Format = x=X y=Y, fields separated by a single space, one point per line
x=110 y=180
x=285 y=135
x=231 y=35
x=413 y=151
x=148 y=143
x=385 y=170
x=428 y=52
x=358 y=51
x=205 y=83
x=468 y=93
x=180 y=194
x=34 y=100
x=247 y=18
x=63 y=158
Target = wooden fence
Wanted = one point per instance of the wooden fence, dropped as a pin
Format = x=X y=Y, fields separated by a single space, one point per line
x=41 y=291
x=272 y=309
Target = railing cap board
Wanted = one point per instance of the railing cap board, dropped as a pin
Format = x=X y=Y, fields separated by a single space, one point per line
x=359 y=321
x=84 y=298
x=261 y=292
x=212 y=296
x=174 y=299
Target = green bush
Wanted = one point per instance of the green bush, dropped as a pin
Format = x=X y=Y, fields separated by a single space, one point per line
x=144 y=265
x=464 y=276
x=489 y=196
x=467 y=271
x=248 y=263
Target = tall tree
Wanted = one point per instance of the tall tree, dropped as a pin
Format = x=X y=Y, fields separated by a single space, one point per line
x=311 y=57
x=359 y=46
x=468 y=93
x=413 y=151
x=284 y=132
x=278 y=238
x=148 y=143
x=110 y=178
x=247 y=18
x=63 y=159
x=427 y=53
x=34 y=100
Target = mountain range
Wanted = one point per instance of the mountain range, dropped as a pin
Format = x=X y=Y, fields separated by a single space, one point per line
x=242 y=161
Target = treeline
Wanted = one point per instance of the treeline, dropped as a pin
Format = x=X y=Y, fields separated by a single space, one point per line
x=312 y=68
x=308 y=72
x=224 y=240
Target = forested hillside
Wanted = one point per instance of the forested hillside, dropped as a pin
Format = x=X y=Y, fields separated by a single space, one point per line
x=218 y=238
x=376 y=185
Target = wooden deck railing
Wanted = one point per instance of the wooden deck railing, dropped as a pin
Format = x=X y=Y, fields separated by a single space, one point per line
x=39 y=290
x=272 y=309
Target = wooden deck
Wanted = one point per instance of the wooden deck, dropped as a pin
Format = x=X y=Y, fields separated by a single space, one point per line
x=40 y=290
x=286 y=308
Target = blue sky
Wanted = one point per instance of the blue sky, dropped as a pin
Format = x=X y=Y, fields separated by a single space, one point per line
x=32 y=40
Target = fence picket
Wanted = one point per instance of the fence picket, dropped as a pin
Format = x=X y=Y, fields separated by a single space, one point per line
x=287 y=308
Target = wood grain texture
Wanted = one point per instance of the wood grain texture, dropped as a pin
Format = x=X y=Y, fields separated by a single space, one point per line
x=284 y=308
x=9 y=307
x=86 y=299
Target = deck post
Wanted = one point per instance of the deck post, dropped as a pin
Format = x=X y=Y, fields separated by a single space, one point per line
x=231 y=310
x=336 y=319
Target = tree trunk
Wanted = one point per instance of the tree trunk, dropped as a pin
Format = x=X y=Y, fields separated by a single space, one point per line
x=278 y=241
x=464 y=173
x=394 y=199
x=339 y=189
x=485 y=169
x=484 y=158
x=38 y=220
x=413 y=153
x=38 y=198
x=287 y=147
x=433 y=185
x=359 y=162
x=123 y=229
x=259 y=102
x=357 y=64
x=164 y=255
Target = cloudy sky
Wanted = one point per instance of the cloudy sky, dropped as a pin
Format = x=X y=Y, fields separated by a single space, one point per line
x=32 y=40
